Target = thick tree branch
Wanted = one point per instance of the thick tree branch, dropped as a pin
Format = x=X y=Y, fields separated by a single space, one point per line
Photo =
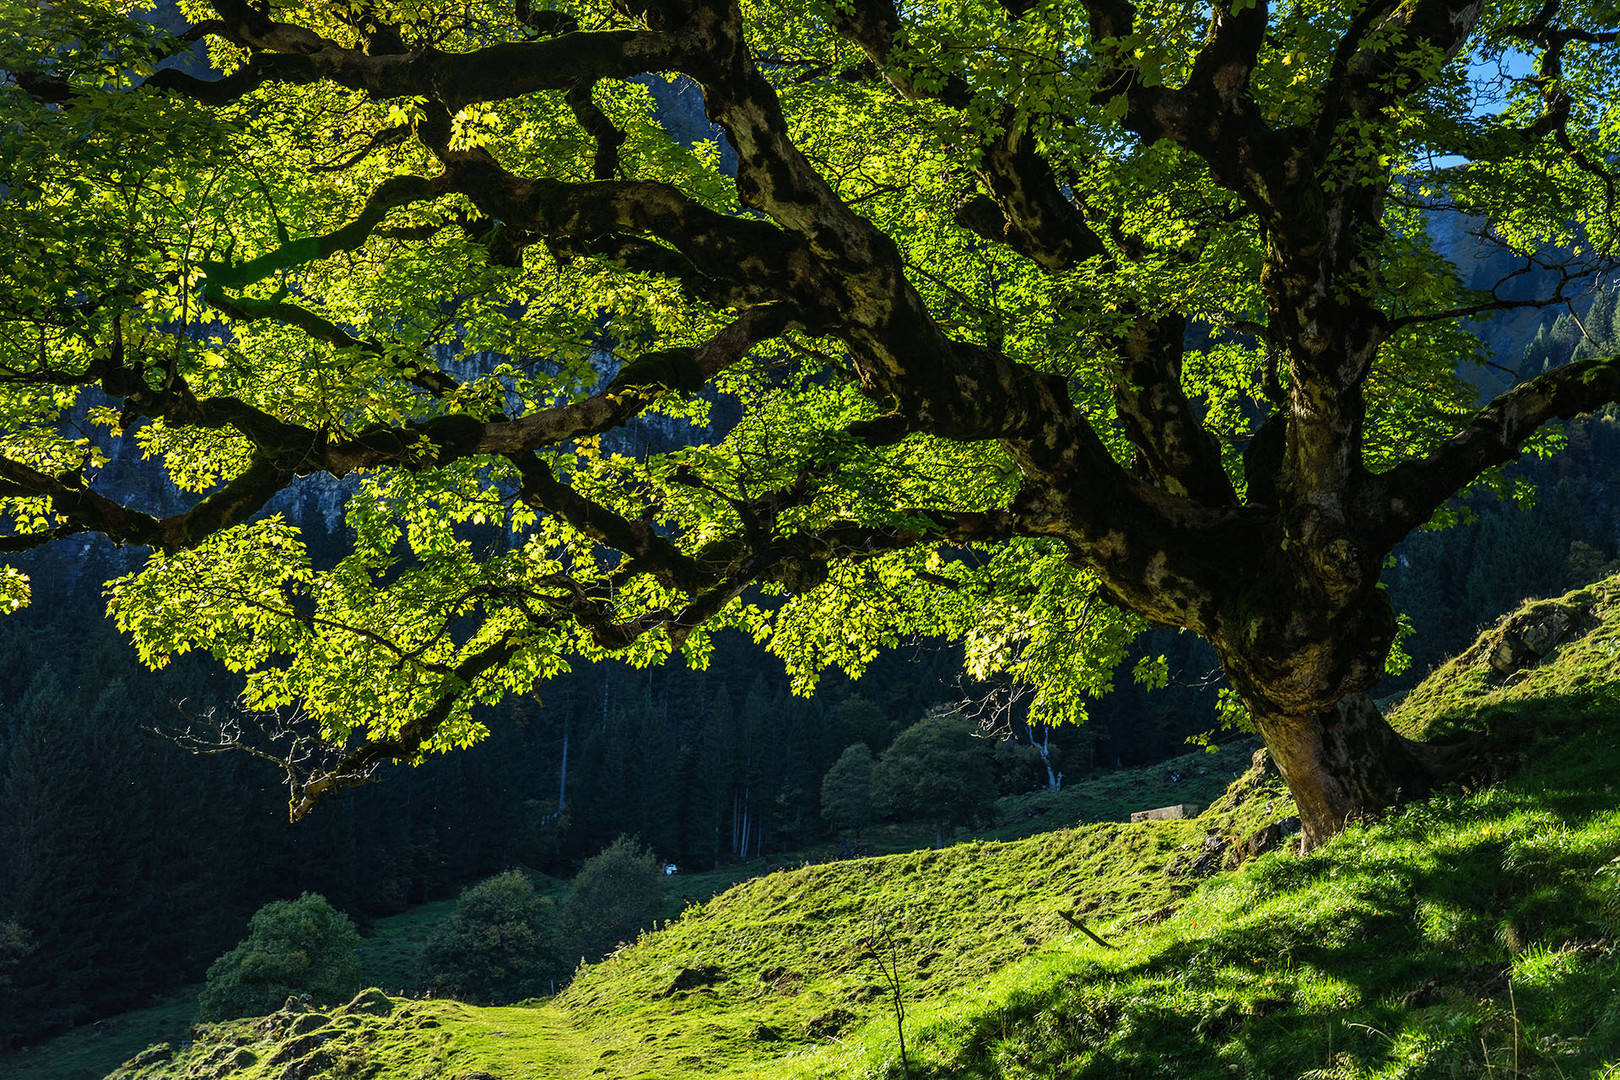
x=1029 y=212
x=875 y=26
x=608 y=138
x=637 y=385
x=1175 y=452
x=84 y=509
x=1213 y=115
x=773 y=175
x=644 y=547
x=29 y=541
x=1406 y=496
x=284 y=53
x=286 y=450
x=391 y=194
x=1390 y=51
x=1036 y=219
x=1223 y=67
x=357 y=767
x=799 y=560
x=725 y=259
x=644 y=256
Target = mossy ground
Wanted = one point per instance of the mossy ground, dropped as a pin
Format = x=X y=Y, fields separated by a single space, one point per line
x=1471 y=935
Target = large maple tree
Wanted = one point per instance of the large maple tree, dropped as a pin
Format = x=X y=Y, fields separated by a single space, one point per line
x=1032 y=324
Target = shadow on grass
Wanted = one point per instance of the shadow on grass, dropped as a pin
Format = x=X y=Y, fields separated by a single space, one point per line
x=1459 y=937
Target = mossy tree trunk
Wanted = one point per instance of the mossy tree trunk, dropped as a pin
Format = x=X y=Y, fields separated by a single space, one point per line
x=1345 y=763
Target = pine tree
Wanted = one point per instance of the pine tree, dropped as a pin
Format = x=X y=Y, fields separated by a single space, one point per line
x=651 y=794
x=1601 y=332
x=1538 y=355
x=48 y=838
x=716 y=763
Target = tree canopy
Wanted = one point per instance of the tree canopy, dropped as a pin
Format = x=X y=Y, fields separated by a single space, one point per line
x=501 y=945
x=1030 y=324
x=616 y=896
x=293 y=947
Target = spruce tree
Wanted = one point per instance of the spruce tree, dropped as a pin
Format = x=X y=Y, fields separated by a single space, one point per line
x=51 y=794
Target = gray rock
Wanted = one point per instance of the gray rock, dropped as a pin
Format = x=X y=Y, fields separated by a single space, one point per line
x=1178 y=812
x=1533 y=635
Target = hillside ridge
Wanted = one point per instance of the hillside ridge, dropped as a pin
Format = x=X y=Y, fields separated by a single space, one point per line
x=1471 y=932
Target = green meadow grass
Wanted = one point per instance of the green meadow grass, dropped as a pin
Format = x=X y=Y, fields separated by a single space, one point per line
x=1472 y=935
x=89 y=1053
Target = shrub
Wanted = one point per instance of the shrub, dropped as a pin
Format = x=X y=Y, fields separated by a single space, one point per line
x=300 y=946
x=615 y=897
x=937 y=771
x=501 y=945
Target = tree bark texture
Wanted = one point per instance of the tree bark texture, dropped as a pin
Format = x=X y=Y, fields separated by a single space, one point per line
x=1345 y=763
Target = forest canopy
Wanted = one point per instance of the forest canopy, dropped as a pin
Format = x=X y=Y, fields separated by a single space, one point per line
x=1025 y=324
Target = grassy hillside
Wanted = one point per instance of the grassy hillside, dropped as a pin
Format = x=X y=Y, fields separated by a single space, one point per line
x=773 y=966
x=391 y=955
x=1472 y=935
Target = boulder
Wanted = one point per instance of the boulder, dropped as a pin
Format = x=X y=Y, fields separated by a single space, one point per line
x=1533 y=634
x=1178 y=812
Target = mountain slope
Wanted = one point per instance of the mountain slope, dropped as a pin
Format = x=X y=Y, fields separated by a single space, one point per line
x=1469 y=934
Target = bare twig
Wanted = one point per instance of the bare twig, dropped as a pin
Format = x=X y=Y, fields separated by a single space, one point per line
x=885 y=949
